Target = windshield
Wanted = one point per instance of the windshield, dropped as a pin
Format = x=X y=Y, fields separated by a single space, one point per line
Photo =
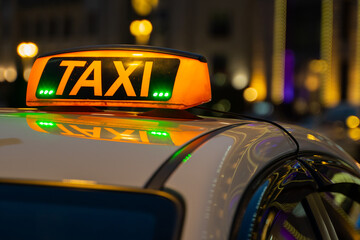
x=41 y=212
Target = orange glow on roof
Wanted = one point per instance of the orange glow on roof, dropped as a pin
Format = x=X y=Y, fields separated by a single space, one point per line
x=137 y=131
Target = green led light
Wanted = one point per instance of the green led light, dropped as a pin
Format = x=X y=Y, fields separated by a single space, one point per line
x=46 y=124
x=159 y=134
x=161 y=94
x=187 y=158
x=46 y=92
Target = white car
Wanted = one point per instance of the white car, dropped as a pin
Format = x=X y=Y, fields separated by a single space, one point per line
x=71 y=170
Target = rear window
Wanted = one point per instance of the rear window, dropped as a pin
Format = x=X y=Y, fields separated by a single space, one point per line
x=43 y=212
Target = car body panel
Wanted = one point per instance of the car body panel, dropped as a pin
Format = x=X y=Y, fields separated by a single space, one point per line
x=316 y=143
x=232 y=160
x=73 y=148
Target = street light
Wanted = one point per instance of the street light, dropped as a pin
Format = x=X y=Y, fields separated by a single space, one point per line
x=144 y=7
x=141 y=29
x=27 y=50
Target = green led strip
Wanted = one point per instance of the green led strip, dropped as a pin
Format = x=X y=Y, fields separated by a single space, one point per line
x=186 y=158
x=161 y=94
x=47 y=124
x=46 y=92
x=160 y=134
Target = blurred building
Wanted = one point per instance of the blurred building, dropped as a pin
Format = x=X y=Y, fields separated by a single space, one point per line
x=302 y=56
x=228 y=33
x=54 y=25
x=296 y=53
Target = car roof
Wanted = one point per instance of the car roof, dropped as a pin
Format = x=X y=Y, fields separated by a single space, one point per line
x=125 y=148
x=104 y=147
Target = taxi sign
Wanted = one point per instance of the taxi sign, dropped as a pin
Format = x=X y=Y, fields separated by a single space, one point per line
x=121 y=76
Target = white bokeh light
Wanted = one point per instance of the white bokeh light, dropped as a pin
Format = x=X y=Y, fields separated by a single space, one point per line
x=240 y=81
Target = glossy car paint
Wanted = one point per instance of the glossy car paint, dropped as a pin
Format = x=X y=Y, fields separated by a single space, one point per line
x=232 y=160
x=40 y=155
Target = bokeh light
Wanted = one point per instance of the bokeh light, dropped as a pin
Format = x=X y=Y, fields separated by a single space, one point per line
x=141 y=27
x=223 y=105
x=27 y=49
x=301 y=106
x=312 y=82
x=352 y=121
x=240 y=81
x=317 y=66
x=263 y=108
x=354 y=134
x=10 y=74
x=26 y=73
x=250 y=94
x=219 y=79
x=2 y=74
x=144 y=7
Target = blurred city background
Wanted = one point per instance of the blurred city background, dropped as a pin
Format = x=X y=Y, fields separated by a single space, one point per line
x=295 y=61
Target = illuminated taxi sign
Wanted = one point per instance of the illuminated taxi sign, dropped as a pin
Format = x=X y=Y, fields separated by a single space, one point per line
x=119 y=76
x=108 y=79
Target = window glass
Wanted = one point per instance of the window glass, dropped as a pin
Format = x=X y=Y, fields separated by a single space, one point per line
x=277 y=209
x=331 y=170
x=344 y=213
x=288 y=222
x=39 y=212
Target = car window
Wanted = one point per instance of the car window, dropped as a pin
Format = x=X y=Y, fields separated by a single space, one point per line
x=277 y=208
x=330 y=170
x=316 y=197
x=344 y=213
x=339 y=189
x=47 y=212
x=287 y=222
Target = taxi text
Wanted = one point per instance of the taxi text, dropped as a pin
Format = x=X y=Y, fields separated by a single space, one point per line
x=96 y=83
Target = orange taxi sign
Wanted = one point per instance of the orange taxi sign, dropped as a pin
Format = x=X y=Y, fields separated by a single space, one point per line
x=121 y=76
